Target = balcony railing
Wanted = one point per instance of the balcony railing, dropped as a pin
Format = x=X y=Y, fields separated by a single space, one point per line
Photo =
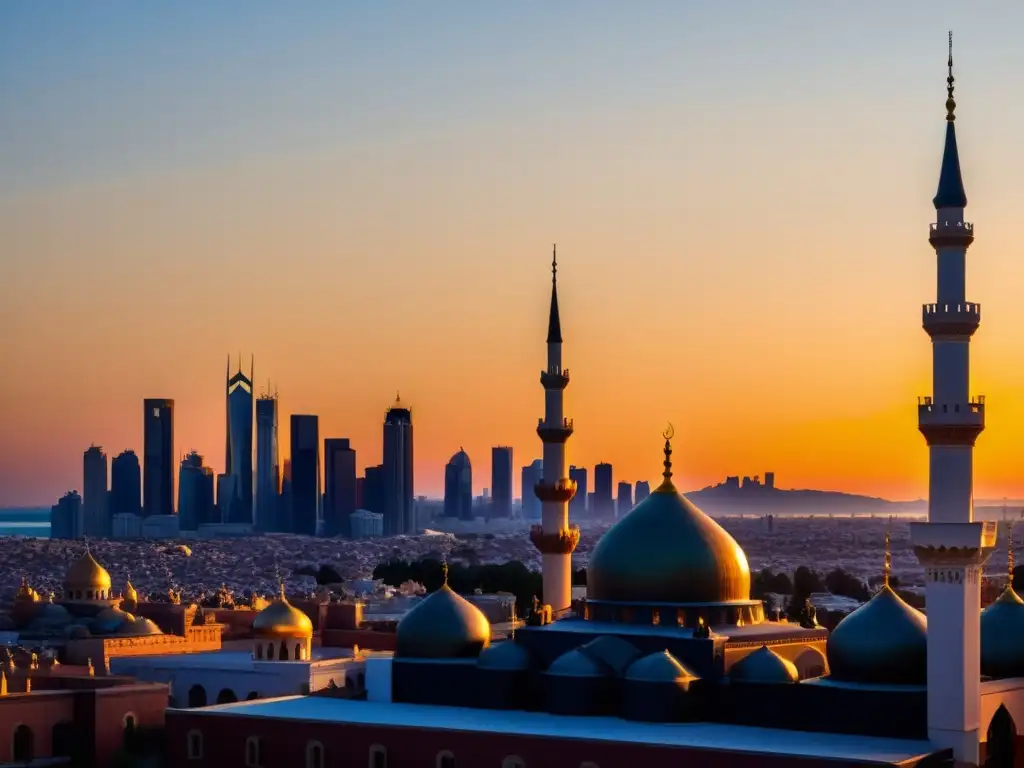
x=566 y=424
x=965 y=228
x=956 y=310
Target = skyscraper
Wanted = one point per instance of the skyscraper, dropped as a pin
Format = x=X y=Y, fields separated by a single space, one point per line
x=578 y=505
x=268 y=481
x=458 y=487
x=305 y=474
x=531 y=475
x=283 y=513
x=399 y=510
x=501 y=481
x=340 y=486
x=125 y=485
x=94 y=493
x=373 y=489
x=66 y=517
x=238 y=453
x=624 y=501
x=643 y=490
x=158 y=456
x=604 y=507
x=195 y=493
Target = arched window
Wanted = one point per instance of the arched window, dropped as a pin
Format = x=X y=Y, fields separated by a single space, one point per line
x=270 y=651
x=283 y=654
x=1000 y=751
x=62 y=737
x=445 y=760
x=195 y=745
x=253 y=695
x=252 y=752
x=226 y=696
x=24 y=744
x=128 y=723
x=513 y=762
x=298 y=651
x=314 y=755
x=197 y=696
x=259 y=651
x=378 y=757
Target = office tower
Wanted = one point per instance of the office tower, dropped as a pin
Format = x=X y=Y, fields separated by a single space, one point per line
x=625 y=499
x=399 y=511
x=305 y=474
x=283 y=513
x=66 y=517
x=125 y=485
x=158 y=457
x=195 y=493
x=238 y=453
x=339 y=486
x=501 y=481
x=373 y=489
x=769 y=481
x=458 y=487
x=365 y=524
x=94 y=493
x=643 y=490
x=578 y=505
x=530 y=475
x=268 y=470
x=604 y=507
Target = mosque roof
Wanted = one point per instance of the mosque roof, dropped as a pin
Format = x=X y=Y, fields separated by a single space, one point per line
x=660 y=667
x=576 y=663
x=443 y=626
x=86 y=573
x=764 y=666
x=140 y=627
x=1002 y=628
x=282 y=619
x=507 y=655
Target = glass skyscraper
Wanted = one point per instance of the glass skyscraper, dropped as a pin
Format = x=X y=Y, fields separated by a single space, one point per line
x=158 y=457
x=125 y=484
x=399 y=509
x=501 y=482
x=268 y=472
x=305 y=484
x=339 y=486
x=238 y=454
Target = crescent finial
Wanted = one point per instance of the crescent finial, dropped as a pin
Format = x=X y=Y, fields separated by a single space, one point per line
x=669 y=433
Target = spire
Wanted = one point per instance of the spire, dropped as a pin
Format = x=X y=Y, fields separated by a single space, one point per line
x=887 y=562
x=951 y=185
x=1009 y=554
x=554 y=324
x=666 y=484
x=444 y=572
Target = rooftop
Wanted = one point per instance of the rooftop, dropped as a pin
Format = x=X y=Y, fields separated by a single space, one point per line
x=223 y=660
x=733 y=738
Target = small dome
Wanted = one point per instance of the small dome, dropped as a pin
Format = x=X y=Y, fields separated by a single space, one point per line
x=883 y=641
x=443 y=626
x=141 y=626
x=1002 y=627
x=85 y=573
x=507 y=655
x=659 y=668
x=577 y=664
x=282 y=619
x=52 y=613
x=764 y=666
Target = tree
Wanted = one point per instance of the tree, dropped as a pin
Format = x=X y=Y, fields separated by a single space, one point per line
x=839 y=582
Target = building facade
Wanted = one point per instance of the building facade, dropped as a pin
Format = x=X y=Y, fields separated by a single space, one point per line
x=501 y=481
x=305 y=480
x=158 y=457
x=125 y=484
x=604 y=501
x=95 y=502
x=195 y=493
x=238 y=452
x=339 y=486
x=458 y=487
x=578 y=505
x=399 y=507
x=66 y=519
x=530 y=475
x=268 y=467
x=365 y=524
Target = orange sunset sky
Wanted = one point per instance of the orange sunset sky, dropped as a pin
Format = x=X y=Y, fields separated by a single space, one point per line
x=365 y=199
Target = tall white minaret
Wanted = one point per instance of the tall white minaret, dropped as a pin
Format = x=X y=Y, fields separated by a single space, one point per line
x=554 y=537
x=951 y=546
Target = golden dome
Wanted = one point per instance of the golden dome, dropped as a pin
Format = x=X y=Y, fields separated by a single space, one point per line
x=140 y=627
x=443 y=626
x=25 y=592
x=85 y=573
x=282 y=619
x=666 y=550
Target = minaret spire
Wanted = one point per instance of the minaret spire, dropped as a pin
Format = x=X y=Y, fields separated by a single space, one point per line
x=951 y=192
x=554 y=322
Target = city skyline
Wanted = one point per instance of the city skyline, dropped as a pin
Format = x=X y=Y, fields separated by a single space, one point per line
x=752 y=247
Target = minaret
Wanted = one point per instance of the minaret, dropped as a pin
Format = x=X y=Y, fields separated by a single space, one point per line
x=951 y=546
x=555 y=539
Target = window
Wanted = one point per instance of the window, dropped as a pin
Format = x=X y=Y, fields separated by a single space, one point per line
x=253 y=695
x=129 y=730
x=259 y=651
x=63 y=739
x=298 y=651
x=314 y=755
x=226 y=696
x=195 y=745
x=197 y=696
x=252 y=752
x=513 y=762
x=445 y=760
x=378 y=757
x=24 y=744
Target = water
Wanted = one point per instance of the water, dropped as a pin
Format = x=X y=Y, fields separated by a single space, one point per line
x=32 y=521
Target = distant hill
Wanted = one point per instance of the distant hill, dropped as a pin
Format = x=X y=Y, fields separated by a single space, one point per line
x=722 y=500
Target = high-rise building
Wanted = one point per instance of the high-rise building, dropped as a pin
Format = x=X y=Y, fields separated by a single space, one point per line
x=373 y=489
x=604 y=507
x=624 y=501
x=66 y=520
x=305 y=474
x=399 y=510
x=158 y=457
x=339 y=486
x=238 y=452
x=458 y=487
x=268 y=480
x=501 y=481
x=366 y=524
x=578 y=505
x=125 y=485
x=530 y=475
x=283 y=513
x=195 y=493
x=643 y=490
x=94 y=493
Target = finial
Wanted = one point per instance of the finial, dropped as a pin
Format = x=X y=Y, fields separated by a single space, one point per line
x=444 y=572
x=668 y=434
x=887 y=563
x=398 y=397
x=554 y=263
x=950 y=103
x=1009 y=553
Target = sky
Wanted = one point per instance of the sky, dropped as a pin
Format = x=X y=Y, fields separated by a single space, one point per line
x=364 y=196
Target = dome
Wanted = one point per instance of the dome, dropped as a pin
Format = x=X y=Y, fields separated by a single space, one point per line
x=576 y=664
x=1002 y=627
x=883 y=641
x=667 y=551
x=52 y=613
x=141 y=626
x=659 y=668
x=504 y=656
x=764 y=666
x=443 y=626
x=460 y=460
x=282 y=619
x=85 y=573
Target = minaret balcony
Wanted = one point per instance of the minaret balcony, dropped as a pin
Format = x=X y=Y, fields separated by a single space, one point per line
x=951 y=319
x=560 y=491
x=944 y=234
x=554 y=433
x=561 y=542
x=951 y=423
x=555 y=378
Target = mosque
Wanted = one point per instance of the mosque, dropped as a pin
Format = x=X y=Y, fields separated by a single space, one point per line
x=668 y=661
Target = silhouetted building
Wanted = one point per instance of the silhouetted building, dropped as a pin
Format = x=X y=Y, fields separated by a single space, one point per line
x=365 y=524
x=283 y=513
x=195 y=493
x=125 y=485
x=340 y=486
x=158 y=457
x=458 y=487
x=578 y=504
x=603 y=486
x=501 y=481
x=769 y=481
x=399 y=510
x=625 y=499
x=94 y=493
x=373 y=489
x=305 y=474
x=238 y=452
x=643 y=490
x=66 y=517
x=268 y=481
x=532 y=474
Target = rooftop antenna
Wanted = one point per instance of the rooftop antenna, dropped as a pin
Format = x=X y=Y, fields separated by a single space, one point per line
x=950 y=103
